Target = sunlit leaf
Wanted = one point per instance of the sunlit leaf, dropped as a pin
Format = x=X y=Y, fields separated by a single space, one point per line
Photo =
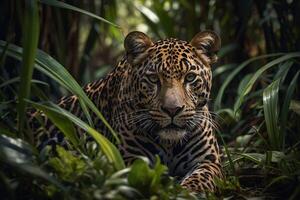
x=67 y=165
x=140 y=176
x=64 y=125
x=107 y=147
x=270 y=104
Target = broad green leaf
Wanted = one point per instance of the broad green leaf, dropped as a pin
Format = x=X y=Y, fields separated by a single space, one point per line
x=67 y=165
x=159 y=170
x=259 y=72
x=64 y=125
x=140 y=176
x=30 y=42
x=107 y=147
x=270 y=105
x=64 y=5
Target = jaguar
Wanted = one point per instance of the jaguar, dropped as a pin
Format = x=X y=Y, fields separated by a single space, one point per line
x=156 y=99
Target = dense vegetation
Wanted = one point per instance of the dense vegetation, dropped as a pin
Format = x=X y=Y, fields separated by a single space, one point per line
x=49 y=48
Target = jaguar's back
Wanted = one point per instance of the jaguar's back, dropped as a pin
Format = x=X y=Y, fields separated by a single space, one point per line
x=156 y=100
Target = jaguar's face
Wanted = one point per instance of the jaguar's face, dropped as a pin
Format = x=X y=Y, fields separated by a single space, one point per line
x=173 y=85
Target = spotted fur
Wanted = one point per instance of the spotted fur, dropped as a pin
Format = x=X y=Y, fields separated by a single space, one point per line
x=156 y=100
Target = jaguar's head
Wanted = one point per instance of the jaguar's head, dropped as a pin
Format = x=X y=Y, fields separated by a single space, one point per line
x=171 y=81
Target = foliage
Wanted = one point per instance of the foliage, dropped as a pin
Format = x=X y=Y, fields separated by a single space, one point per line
x=255 y=95
x=79 y=176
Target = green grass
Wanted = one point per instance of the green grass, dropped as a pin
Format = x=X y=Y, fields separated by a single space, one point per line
x=262 y=69
x=255 y=92
x=47 y=65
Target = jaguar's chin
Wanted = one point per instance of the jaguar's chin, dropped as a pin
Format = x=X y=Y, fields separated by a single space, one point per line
x=172 y=134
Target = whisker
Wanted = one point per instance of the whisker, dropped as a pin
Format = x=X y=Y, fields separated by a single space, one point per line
x=212 y=122
x=218 y=117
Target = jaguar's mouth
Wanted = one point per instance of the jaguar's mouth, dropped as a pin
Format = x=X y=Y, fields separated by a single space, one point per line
x=172 y=132
x=172 y=126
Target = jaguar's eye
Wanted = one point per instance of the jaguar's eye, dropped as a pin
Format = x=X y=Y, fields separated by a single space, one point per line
x=190 y=77
x=153 y=78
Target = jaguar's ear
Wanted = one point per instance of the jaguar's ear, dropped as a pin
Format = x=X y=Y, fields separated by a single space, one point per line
x=136 y=43
x=207 y=43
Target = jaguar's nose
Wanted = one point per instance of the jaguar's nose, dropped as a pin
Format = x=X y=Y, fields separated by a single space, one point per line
x=172 y=111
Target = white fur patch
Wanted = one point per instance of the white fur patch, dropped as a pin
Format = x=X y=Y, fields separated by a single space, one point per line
x=172 y=135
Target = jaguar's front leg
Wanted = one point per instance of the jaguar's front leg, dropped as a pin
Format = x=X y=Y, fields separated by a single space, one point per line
x=206 y=165
x=202 y=178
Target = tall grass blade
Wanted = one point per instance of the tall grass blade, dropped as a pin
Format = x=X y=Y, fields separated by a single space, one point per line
x=254 y=157
x=60 y=4
x=86 y=112
x=218 y=100
x=250 y=84
x=30 y=42
x=112 y=153
x=230 y=160
x=49 y=66
x=243 y=83
x=270 y=105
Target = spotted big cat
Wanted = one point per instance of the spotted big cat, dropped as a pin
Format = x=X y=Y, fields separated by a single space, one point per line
x=156 y=99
